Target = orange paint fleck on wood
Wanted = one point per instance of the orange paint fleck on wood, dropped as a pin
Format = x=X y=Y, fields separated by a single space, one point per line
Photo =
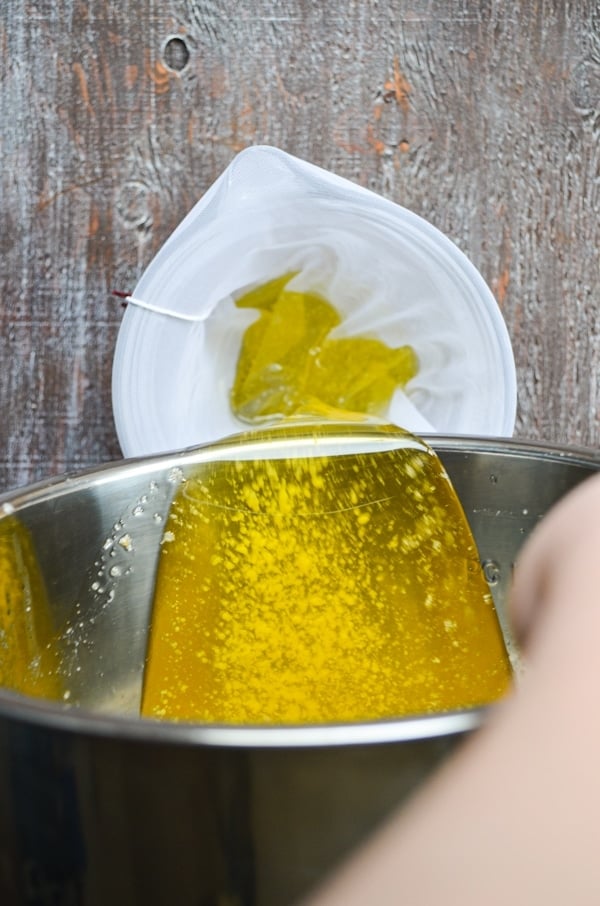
x=399 y=88
x=159 y=75
x=131 y=75
x=94 y=222
x=500 y=285
x=83 y=86
x=376 y=143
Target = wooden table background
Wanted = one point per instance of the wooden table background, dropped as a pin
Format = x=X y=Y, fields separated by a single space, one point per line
x=116 y=115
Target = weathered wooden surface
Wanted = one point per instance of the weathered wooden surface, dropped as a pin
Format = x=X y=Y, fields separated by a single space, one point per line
x=115 y=116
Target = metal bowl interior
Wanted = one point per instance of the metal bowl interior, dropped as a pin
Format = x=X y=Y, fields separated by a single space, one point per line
x=97 y=535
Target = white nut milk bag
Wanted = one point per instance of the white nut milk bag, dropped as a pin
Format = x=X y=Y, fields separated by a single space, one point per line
x=389 y=274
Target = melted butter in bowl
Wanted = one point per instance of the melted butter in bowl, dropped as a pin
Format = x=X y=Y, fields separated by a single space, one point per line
x=29 y=659
x=320 y=588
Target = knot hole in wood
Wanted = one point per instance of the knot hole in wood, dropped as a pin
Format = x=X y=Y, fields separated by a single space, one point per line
x=176 y=54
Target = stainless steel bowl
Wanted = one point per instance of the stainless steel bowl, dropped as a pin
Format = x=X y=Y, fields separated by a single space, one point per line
x=98 y=806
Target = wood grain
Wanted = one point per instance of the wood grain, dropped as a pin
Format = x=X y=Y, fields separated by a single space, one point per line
x=116 y=115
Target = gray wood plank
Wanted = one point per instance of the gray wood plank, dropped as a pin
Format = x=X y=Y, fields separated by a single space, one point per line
x=483 y=117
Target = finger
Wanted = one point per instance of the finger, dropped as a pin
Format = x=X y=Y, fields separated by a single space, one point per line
x=562 y=555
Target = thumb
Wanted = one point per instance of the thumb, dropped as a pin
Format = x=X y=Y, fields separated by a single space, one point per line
x=559 y=565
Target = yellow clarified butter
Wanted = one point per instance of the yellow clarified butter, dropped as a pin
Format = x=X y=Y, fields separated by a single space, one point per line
x=28 y=656
x=288 y=361
x=318 y=589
